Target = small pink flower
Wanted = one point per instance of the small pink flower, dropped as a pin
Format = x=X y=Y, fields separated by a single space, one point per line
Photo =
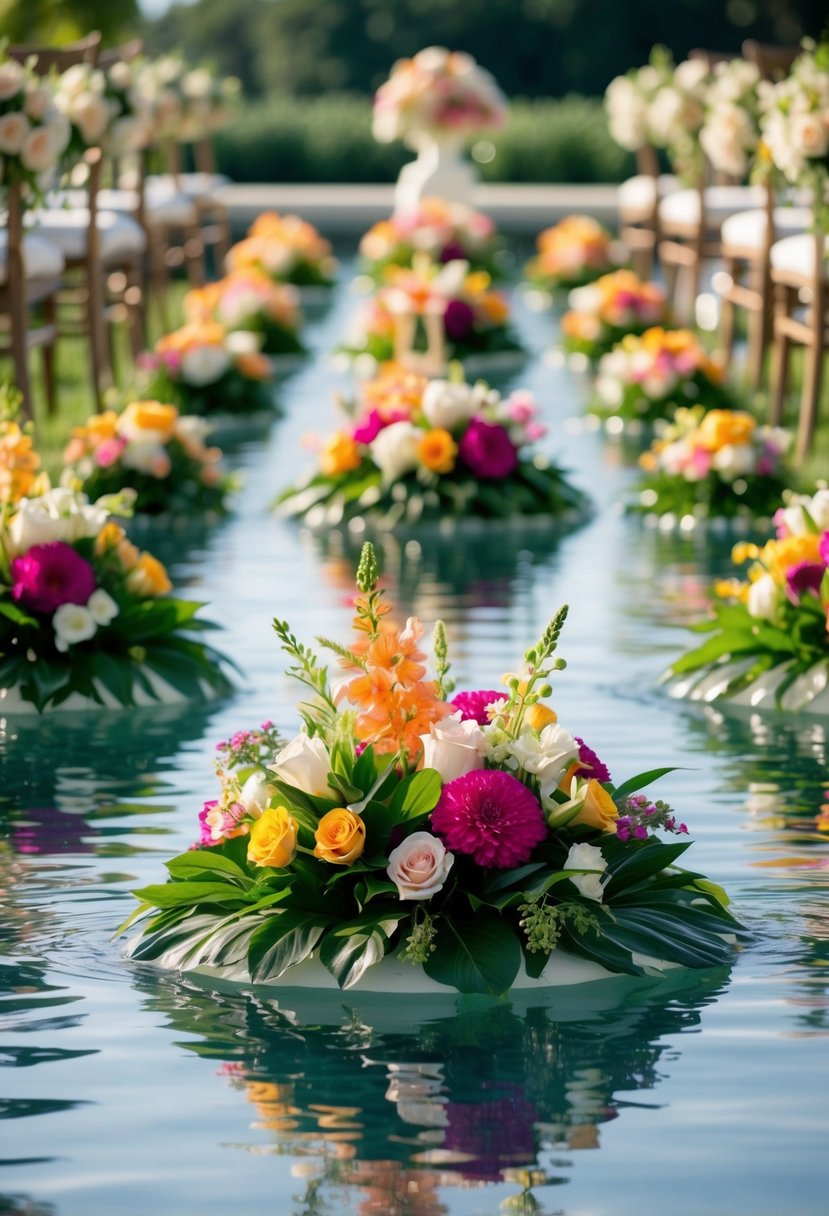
x=535 y=431
x=521 y=406
x=108 y=452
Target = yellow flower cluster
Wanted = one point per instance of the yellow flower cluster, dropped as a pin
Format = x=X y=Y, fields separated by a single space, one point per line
x=146 y=576
x=19 y=464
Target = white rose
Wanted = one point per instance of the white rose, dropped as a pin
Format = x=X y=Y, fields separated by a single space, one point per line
x=13 y=130
x=145 y=456
x=255 y=795
x=587 y=857
x=40 y=150
x=34 y=525
x=192 y=429
x=453 y=747
x=243 y=342
x=548 y=753
x=102 y=607
x=735 y=460
x=204 y=365
x=80 y=518
x=448 y=405
x=39 y=100
x=12 y=78
x=809 y=135
x=305 y=764
x=419 y=866
x=91 y=116
x=277 y=258
x=394 y=451
x=762 y=598
x=72 y=623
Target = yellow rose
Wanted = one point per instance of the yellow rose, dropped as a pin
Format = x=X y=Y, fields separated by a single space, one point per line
x=778 y=556
x=272 y=839
x=437 y=450
x=108 y=538
x=151 y=416
x=340 y=837
x=538 y=716
x=339 y=455
x=148 y=578
x=720 y=428
x=599 y=809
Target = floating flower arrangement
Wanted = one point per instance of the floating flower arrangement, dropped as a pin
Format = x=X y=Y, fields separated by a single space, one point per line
x=472 y=836
x=251 y=302
x=604 y=312
x=768 y=642
x=647 y=377
x=468 y=316
x=154 y=451
x=419 y=450
x=287 y=249
x=83 y=612
x=204 y=369
x=575 y=251
x=443 y=231
x=713 y=465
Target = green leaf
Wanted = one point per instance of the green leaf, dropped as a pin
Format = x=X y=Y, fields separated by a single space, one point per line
x=640 y=781
x=179 y=894
x=475 y=954
x=15 y=614
x=285 y=939
x=207 y=861
x=648 y=858
x=353 y=947
x=416 y=795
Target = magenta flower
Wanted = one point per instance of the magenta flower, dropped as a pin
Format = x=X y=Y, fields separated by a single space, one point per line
x=452 y=251
x=592 y=766
x=50 y=575
x=487 y=450
x=458 y=320
x=823 y=548
x=473 y=704
x=804 y=578
x=374 y=422
x=205 y=831
x=490 y=816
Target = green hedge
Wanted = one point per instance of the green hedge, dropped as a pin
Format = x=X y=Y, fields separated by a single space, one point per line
x=328 y=139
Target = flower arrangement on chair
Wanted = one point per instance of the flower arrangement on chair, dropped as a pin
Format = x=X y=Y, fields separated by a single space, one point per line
x=575 y=251
x=444 y=231
x=287 y=249
x=34 y=133
x=647 y=377
x=713 y=465
x=474 y=317
x=629 y=98
x=768 y=636
x=82 y=611
x=604 y=312
x=154 y=451
x=793 y=122
x=251 y=302
x=418 y=450
x=474 y=836
x=202 y=368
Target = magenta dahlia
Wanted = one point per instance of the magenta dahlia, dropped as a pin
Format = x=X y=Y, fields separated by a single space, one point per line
x=487 y=450
x=490 y=816
x=50 y=575
x=458 y=320
x=473 y=704
x=592 y=766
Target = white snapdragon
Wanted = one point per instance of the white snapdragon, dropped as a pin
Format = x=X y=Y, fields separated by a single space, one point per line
x=102 y=607
x=72 y=623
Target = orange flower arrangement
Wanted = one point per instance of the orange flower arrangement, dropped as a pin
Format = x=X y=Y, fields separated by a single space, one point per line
x=573 y=252
x=287 y=249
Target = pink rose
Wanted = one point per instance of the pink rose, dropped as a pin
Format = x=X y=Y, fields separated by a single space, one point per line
x=419 y=866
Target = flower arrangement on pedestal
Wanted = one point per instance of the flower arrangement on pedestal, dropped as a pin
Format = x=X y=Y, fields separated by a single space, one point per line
x=205 y=369
x=154 y=451
x=768 y=640
x=714 y=464
x=575 y=251
x=251 y=302
x=444 y=231
x=474 y=837
x=604 y=312
x=419 y=450
x=287 y=249
x=437 y=93
x=82 y=611
x=474 y=318
x=34 y=133
x=648 y=377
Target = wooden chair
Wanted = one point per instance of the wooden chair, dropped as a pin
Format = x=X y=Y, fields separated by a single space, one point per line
x=691 y=221
x=747 y=239
x=800 y=277
x=638 y=201
x=31 y=270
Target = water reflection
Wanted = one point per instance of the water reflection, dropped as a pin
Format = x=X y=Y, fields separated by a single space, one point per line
x=471 y=1093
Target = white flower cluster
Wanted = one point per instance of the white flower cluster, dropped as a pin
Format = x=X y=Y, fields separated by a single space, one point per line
x=628 y=100
x=677 y=112
x=80 y=95
x=60 y=514
x=184 y=104
x=79 y=622
x=34 y=134
x=730 y=131
x=794 y=120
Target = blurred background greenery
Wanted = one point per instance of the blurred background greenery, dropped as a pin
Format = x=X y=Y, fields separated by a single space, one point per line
x=309 y=67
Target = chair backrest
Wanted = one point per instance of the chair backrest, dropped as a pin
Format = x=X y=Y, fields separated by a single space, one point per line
x=85 y=50
x=774 y=62
x=125 y=53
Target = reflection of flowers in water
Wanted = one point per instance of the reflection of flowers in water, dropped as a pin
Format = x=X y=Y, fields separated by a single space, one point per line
x=47 y=830
x=493 y=1132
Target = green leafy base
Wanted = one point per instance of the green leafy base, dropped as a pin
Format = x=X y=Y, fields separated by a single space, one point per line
x=604 y=343
x=635 y=406
x=276 y=339
x=232 y=393
x=488 y=342
x=536 y=488
x=710 y=498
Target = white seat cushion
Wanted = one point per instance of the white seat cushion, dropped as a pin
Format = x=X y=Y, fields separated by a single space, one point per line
x=638 y=193
x=160 y=207
x=720 y=201
x=121 y=236
x=747 y=229
x=41 y=258
x=796 y=254
x=194 y=185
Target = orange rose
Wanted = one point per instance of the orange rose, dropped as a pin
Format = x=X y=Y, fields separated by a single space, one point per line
x=340 y=837
x=340 y=455
x=599 y=810
x=108 y=538
x=272 y=839
x=148 y=578
x=151 y=416
x=720 y=428
x=437 y=451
